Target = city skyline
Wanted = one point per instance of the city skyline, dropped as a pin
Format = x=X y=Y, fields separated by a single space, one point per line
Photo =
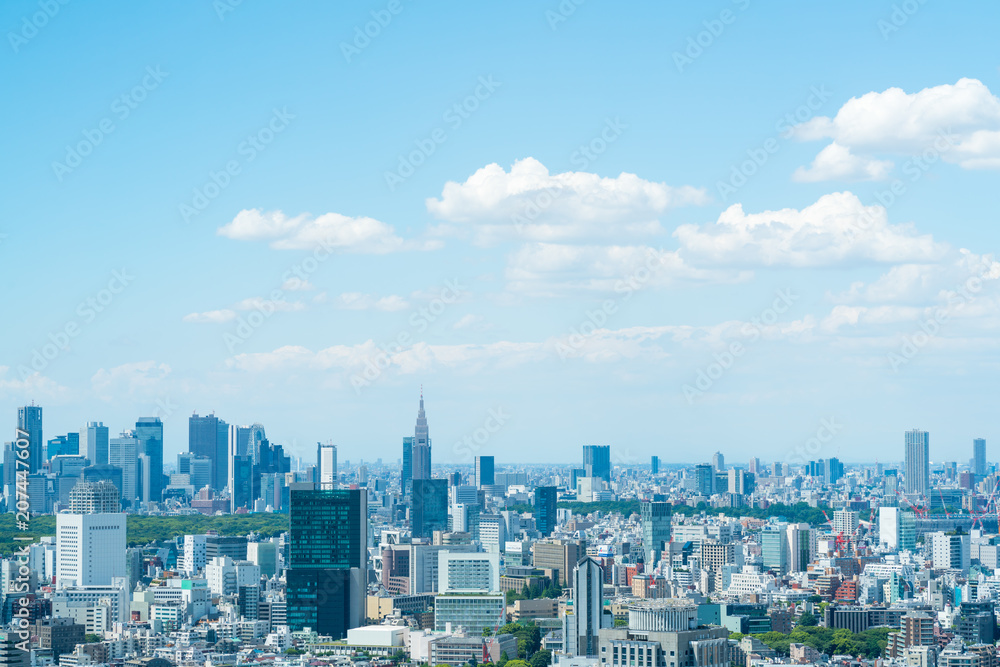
x=615 y=233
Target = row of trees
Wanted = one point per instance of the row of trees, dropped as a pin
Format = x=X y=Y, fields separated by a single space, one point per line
x=146 y=529
x=841 y=641
x=533 y=592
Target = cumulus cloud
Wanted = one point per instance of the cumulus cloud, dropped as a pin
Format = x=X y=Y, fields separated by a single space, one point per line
x=835 y=162
x=295 y=284
x=329 y=232
x=137 y=378
x=211 y=317
x=924 y=283
x=550 y=268
x=29 y=385
x=266 y=305
x=529 y=203
x=360 y=301
x=959 y=123
x=837 y=228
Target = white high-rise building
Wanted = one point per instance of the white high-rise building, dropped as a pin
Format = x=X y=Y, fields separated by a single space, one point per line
x=90 y=549
x=94 y=442
x=951 y=552
x=719 y=462
x=845 y=522
x=194 y=553
x=468 y=572
x=327 y=466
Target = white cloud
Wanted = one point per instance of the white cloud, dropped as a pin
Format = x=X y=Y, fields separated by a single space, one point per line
x=269 y=305
x=959 y=123
x=138 y=378
x=531 y=204
x=295 y=284
x=30 y=386
x=837 y=228
x=923 y=283
x=360 y=301
x=835 y=162
x=548 y=268
x=330 y=232
x=211 y=316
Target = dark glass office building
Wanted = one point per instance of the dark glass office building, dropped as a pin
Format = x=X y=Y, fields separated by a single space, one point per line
x=430 y=507
x=149 y=431
x=545 y=509
x=484 y=471
x=327 y=560
x=209 y=437
x=29 y=419
x=597 y=461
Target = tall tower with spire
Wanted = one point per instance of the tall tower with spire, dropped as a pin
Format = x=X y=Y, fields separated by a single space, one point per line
x=421 y=453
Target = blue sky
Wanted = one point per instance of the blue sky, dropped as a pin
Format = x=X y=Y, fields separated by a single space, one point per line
x=513 y=264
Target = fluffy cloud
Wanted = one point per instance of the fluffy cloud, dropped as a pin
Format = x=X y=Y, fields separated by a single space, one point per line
x=835 y=162
x=531 y=204
x=30 y=385
x=330 y=232
x=836 y=229
x=132 y=379
x=211 y=317
x=960 y=123
x=548 y=268
x=359 y=301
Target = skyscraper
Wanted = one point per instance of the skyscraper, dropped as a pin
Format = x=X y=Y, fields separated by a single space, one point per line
x=209 y=437
x=63 y=445
x=406 y=475
x=29 y=420
x=123 y=453
x=327 y=560
x=655 y=517
x=149 y=431
x=979 y=457
x=94 y=443
x=654 y=465
x=326 y=464
x=430 y=507
x=597 y=461
x=582 y=626
x=719 y=462
x=545 y=509
x=484 y=471
x=90 y=543
x=918 y=464
x=421 y=445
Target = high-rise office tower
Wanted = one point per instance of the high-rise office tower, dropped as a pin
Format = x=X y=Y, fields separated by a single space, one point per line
x=123 y=453
x=430 y=507
x=484 y=471
x=421 y=445
x=597 y=461
x=94 y=443
x=406 y=474
x=90 y=545
x=209 y=437
x=979 y=457
x=704 y=476
x=241 y=483
x=582 y=627
x=654 y=465
x=149 y=431
x=545 y=509
x=326 y=465
x=918 y=464
x=95 y=498
x=29 y=420
x=719 y=462
x=327 y=560
x=63 y=445
x=655 y=517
